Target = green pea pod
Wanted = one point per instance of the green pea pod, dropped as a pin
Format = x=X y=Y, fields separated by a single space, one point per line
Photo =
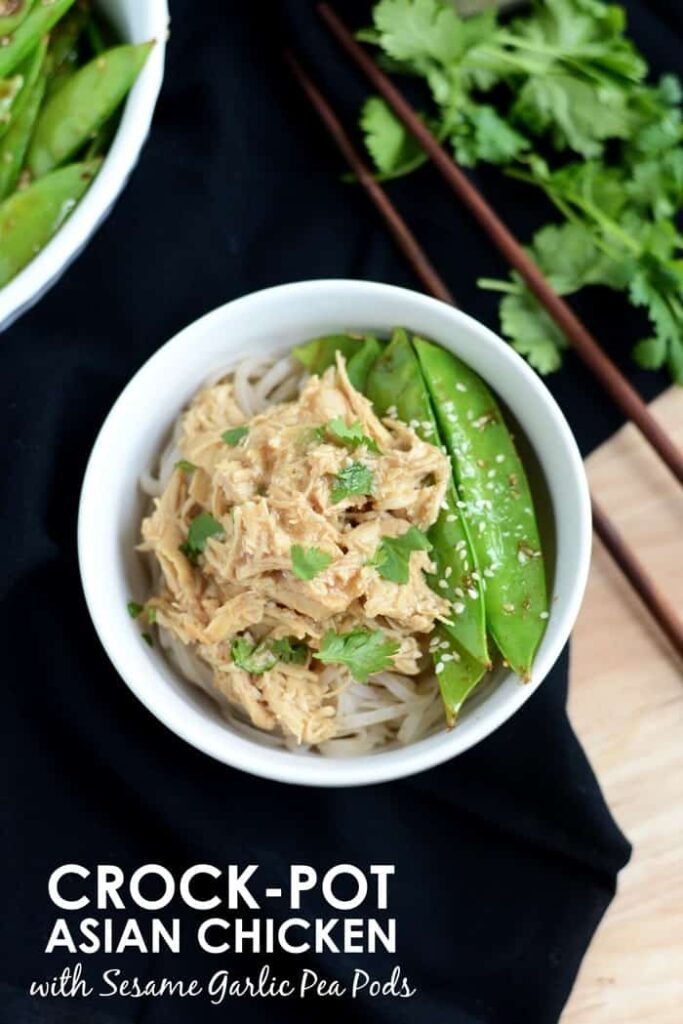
x=319 y=353
x=359 y=364
x=498 y=504
x=10 y=91
x=396 y=381
x=74 y=113
x=63 y=52
x=14 y=145
x=28 y=71
x=26 y=37
x=30 y=218
x=458 y=674
x=10 y=22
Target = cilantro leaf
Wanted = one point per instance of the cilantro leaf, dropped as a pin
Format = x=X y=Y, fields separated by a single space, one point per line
x=253 y=658
x=185 y=466
x=531 y=331
x=289 y=650
x=393 y=149
x=353 y=479
x=201 y=529
x=352 y=435
x=363 y=651
x=135 y=609
x=392 y=558
x=233 y=436
x=308 y=562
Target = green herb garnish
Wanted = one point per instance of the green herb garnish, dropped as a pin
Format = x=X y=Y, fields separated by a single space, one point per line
x=308 y=562
x=185 y=466
x=392 y=558
x=352 y=435
x=135 y=609
x=353 y=479
x=201 y=529
x=253 y=658
x=233 y=436
x=289 y=650
x=363 y=651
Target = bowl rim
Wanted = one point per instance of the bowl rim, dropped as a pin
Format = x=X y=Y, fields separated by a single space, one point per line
x=37 y=277
x=279 y=765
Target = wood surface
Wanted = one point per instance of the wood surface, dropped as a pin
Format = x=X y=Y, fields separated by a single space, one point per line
x=626 y=704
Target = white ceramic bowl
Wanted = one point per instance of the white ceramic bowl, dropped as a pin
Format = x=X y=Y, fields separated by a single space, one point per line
x=273 y=321
x=135 y=21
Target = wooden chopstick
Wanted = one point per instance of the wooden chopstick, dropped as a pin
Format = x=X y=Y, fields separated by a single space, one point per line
x=588 y=349
x=652 y=597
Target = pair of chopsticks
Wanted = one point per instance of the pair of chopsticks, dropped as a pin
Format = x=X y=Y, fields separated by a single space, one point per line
x=586 y=346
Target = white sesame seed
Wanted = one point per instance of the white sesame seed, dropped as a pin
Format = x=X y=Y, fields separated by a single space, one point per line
x=544 y=615
x=473 y=593
x=443 y=584
x=447 y=657
x=439 y=669
x=449 y=570
x=444 y=645
x=460 y=386
x=451 y=518
x=476 y=576
x=458 y=607
x=508 y=607
x=459 y=592
x=491 y=473
x=460 y=504
x=456 y=656
x=482 y=526
x=500 y=458
x=489 y=573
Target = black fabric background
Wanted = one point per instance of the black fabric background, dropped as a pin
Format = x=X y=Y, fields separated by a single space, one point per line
x=505 y=858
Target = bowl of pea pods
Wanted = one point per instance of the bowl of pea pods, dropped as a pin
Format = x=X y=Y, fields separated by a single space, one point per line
x=79 y=81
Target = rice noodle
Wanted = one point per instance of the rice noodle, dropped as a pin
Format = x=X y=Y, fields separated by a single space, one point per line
x=391 y=709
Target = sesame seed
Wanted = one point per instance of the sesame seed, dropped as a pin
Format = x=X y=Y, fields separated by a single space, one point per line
x=476 y=576
x=439 y=669
x=460 y=504
x=482 y=526
x=544 y=615
x=459 y=592
x=491 y=473
x=508 y=607
x=489 y=573
x=451 y=518
x=458 y=607
x=460 y=386
x=449 y=570
x=443 y=584
x=456 y=656
x=473 y=593
x=447 y=657
x=500 y=458
x=444 y=645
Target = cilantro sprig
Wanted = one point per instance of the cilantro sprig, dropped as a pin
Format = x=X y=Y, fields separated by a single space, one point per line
x=308 y=562
x=355 y=479
x=392 y=558
x=563 y=80
x=234 y=435
x=202 y=528
x=362 y=651
x=259 y=658
x=351 y=435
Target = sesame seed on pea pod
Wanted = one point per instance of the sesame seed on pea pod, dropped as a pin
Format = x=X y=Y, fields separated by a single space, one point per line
x=497 y=503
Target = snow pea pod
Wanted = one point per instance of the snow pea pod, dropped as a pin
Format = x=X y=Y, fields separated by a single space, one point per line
x=35 y=25
x=30 y=218
x=319 y=353
x=12 y=13
x=82 y=104
x=498 y=504
x=458 y=673
x=358 y=365
x=14 y=145
x=63 y=56
x=395 y=383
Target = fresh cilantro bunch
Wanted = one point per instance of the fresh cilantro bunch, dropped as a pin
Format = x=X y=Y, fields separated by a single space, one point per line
x=557 y=97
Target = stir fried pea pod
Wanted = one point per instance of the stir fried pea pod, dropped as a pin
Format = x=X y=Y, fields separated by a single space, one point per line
x=63 y=52
x=499 y=507
x=82 y=104
x=458 y=673
x=396 y=381
x=359 y=364
x=319 y=353
x=12 y=13
x=29 y=219
x=27 y=73
x=26 y=37
x=14 y=145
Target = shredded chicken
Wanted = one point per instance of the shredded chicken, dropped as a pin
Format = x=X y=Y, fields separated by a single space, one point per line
x=271 y=490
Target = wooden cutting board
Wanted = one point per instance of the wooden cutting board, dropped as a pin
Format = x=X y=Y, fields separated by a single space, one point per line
x=626 y=704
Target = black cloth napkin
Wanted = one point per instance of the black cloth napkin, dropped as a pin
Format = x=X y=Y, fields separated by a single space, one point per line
x=507 y=857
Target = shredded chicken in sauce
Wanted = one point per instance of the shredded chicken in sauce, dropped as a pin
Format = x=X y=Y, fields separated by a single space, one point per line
x=275 y=488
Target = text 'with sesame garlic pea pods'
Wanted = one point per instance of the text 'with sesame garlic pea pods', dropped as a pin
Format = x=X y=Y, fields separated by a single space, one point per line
x=498 y=504
x=395 y=385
